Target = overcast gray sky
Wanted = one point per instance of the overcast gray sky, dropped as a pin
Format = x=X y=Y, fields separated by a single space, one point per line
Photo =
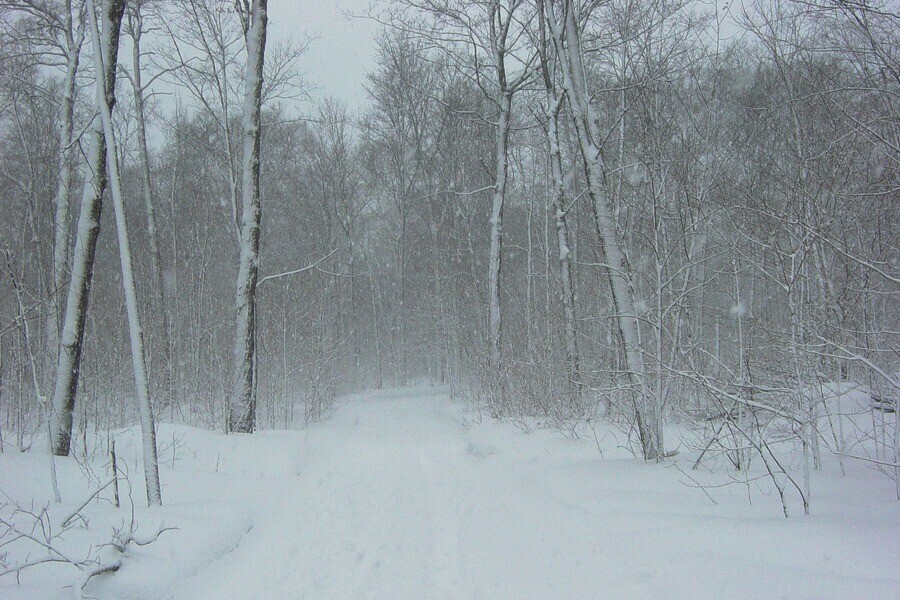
x=343 y=49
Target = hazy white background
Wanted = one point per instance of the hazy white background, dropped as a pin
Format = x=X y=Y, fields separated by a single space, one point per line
x=342 y=49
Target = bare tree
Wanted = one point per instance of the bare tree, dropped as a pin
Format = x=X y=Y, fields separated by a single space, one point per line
x=564 y=24
x=552 y=110
x=138 y=359
x=242 y=399
x=134 y=25
x=72 y=338
x=487 y=41
x=54 y=31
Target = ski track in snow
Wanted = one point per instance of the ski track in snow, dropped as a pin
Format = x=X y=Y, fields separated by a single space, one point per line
x=372 y=513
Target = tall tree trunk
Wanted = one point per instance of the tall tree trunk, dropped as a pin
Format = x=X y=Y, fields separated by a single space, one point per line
x=376 y=330
x=115 y=9
x=242 y=403
x=65 y=175
x=495 y=329
x=568 y=50
x=135 y=26
x=567 y=285
x=72 y=335
x=400 y=313
x=558 y=197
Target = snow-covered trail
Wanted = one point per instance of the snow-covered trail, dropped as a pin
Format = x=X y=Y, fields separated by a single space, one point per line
x=396 y=496
x=371 y=512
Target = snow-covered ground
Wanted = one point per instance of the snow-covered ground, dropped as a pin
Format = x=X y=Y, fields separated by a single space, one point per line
x=402 y=495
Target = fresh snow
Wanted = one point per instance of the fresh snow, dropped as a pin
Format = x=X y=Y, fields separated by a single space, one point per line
x=404 y=494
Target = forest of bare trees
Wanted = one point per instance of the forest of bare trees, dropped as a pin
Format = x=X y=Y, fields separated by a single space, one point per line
x=647 y=212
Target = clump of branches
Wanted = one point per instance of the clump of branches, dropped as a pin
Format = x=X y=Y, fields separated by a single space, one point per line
x=31 y=538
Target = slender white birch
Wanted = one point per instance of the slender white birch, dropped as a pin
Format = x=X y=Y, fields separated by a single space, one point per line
x=495 y=259
x=501 y=39
x=560 y=213
x=148 y=430
x=135 y=24
x=486 y=41
x=566 y=40
x=73 y=35
x=72 y=335
x=242 y=401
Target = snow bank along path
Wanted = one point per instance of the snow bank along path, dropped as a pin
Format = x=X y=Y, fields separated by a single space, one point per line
x=397 y=496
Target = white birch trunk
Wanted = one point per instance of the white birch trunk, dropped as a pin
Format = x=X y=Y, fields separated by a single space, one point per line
x=568 y=50
x=242 y=401
x=567 y=284
x=138 y=359
x=495 y=329
x=65 y=174
x=136 y=30
x=558 y=202
x=72 y=334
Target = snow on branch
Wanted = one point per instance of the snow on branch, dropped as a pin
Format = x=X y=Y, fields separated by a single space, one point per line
x=308 y=267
